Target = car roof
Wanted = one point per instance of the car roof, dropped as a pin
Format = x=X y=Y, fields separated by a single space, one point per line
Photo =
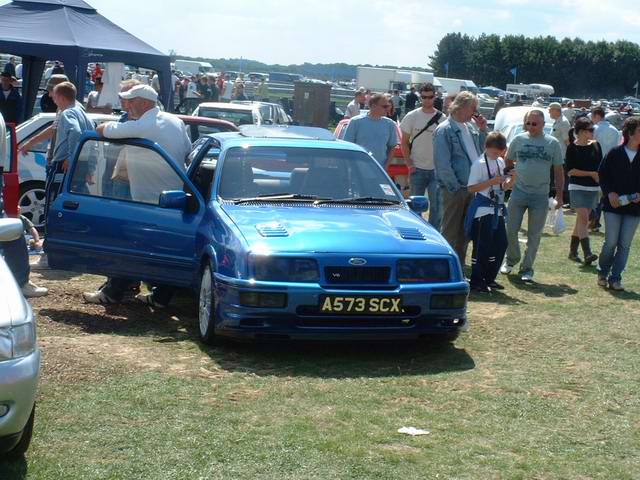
x=227 y=106
x=513 y=115
x=283 y=136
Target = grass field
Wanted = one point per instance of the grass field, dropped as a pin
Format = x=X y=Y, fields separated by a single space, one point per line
x=544 y=386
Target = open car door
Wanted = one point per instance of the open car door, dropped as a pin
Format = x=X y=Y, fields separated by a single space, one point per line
x=9 y=169
x=126 y=210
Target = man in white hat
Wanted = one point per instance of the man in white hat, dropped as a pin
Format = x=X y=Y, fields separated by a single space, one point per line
x=166 y=129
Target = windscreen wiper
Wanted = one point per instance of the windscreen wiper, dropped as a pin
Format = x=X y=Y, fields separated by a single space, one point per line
x=363 y=200
x=277 y=197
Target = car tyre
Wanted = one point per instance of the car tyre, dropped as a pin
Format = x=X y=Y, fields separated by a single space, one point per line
x=31 y=201
x=23 y=445
x=207 y=307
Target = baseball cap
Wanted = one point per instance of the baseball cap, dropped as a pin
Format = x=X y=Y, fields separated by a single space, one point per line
x=555 y=105
x=140 y=91
x=56 y=79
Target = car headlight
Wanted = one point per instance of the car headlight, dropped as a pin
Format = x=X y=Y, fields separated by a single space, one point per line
x=16 y=342
x=283 y=269
x=428 y=270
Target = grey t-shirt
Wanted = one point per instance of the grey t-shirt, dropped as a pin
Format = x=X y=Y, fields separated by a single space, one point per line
x=376 y=136
x=534 y=157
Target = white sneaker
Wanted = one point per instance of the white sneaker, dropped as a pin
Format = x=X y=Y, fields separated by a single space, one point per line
x=98 y=298
x=41 y=264
x=506 y=268
x=617 y=286
x=526 y=277
x=31 y=290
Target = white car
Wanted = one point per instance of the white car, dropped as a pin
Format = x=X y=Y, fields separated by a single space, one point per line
x=236 y=113
x=19 y=358
x=32 y=167
x=509 y=120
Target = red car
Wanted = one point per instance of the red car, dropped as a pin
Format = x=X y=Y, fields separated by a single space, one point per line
x=11 y=185
x=396 y=169
x=199 y=126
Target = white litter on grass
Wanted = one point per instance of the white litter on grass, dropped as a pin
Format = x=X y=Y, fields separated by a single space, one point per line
x=413 y=431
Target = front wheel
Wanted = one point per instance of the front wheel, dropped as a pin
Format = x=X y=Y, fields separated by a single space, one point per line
x=206 y=307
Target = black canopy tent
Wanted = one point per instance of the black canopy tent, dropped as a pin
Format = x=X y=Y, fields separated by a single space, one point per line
x=75 y=33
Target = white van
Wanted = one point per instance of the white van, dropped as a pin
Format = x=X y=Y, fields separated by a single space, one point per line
x=454 y=86
x=192 y=68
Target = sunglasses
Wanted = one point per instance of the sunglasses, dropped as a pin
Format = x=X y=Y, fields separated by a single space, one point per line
x=589 y=129
x=427 y=97
x=387 y=105
x=531 y=124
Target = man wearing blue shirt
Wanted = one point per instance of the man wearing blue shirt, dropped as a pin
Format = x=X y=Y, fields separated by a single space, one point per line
x=374 y=132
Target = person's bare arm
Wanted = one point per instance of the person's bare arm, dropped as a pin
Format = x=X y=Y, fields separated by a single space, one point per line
x=558 y=175
x=46 y=134
x=406 y=151
x=478 y=187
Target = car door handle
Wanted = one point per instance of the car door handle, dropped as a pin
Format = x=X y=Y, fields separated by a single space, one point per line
x=69 y=205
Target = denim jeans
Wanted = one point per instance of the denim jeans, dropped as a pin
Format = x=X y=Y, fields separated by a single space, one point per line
x=16 y=256
x=424 y=182
x=618 y=235
x=536 y=206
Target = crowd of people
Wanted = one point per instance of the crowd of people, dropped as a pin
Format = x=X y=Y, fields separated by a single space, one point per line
x=465 y=171
x=452 y=158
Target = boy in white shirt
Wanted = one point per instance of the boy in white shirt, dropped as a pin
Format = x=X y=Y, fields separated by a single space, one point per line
x=484 y=223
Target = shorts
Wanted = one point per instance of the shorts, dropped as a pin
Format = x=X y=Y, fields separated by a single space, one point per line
x=584 y=199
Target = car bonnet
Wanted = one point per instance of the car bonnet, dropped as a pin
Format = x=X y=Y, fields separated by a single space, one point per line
x=336 y=229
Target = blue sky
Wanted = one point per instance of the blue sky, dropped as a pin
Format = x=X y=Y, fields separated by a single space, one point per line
x=356 y=31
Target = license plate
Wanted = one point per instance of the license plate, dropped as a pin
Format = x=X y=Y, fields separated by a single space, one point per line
x=350 y=305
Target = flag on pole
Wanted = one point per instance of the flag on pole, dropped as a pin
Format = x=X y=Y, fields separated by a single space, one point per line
x=446 y=69
x=636 y=85
x=514 y=71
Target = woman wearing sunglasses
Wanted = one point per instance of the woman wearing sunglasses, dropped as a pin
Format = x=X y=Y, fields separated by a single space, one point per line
x=584 y=155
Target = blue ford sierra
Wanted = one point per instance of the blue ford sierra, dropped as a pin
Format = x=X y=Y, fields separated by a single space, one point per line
x=284 y=232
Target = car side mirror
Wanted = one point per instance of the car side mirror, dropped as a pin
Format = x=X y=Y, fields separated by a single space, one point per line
x=174 y=199
x=418 y=203
x=10 y=229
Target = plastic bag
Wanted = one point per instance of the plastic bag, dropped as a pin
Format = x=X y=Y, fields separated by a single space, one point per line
x=551 y=213
x=559 y=226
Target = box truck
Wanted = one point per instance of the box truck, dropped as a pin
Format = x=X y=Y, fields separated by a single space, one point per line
x=384 y=79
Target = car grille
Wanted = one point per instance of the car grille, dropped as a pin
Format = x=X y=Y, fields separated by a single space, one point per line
x=357 y=275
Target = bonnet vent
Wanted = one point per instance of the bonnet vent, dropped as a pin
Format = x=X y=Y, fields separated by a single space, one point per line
x=411 y=234
x=272 y=230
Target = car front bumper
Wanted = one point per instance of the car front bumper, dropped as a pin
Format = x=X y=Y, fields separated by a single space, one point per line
x=18 y=387
x=300 y=318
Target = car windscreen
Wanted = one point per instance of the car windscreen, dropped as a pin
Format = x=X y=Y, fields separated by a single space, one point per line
x=238 y=117
x=321 y=173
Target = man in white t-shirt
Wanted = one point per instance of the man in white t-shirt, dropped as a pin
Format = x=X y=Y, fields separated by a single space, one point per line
x=353 y=108
x=417 y=149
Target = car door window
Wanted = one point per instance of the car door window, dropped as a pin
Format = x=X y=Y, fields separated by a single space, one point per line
x=123 y=172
